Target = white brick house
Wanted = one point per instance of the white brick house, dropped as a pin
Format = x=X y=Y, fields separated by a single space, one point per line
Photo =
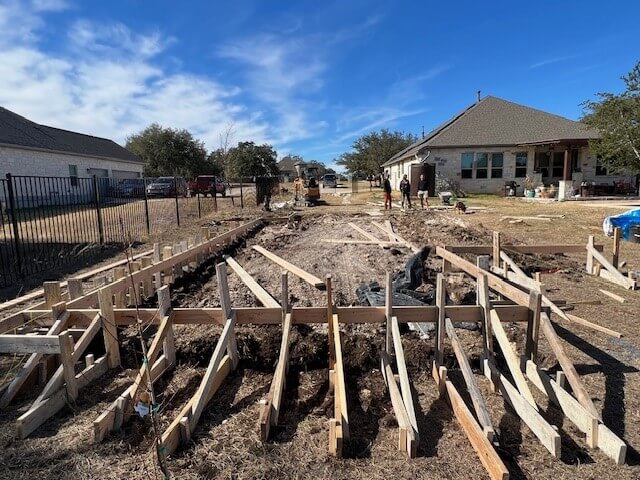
x=495 y=141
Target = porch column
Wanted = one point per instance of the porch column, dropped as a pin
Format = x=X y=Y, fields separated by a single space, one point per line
x=566 y=172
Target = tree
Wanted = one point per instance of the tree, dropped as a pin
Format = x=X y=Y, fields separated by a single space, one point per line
x=373 y=149
x=169 y=152
x=250 y=160
x=617 y=118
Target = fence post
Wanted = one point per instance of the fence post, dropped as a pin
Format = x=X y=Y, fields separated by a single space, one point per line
x=241 y=196
x=14 y=223
x=175 y=188
x=215 y=200
x=146 y=208
x=199 y=209
x=96 y=198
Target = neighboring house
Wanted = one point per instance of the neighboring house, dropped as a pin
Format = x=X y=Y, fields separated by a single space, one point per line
x=286 y=169
x=31 y=149
x=495 y=141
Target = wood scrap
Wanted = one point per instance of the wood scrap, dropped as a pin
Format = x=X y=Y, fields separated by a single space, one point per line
x=616 y=297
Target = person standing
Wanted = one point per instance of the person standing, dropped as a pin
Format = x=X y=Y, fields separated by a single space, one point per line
x=386 y=185
x=405 y=191
x=423 y=191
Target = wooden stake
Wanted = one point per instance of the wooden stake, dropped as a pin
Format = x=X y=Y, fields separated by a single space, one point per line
x=110 y=331
x=388 y=304
x=496 y=249
x=225 y=303
x=617 y=232
x=441 y=300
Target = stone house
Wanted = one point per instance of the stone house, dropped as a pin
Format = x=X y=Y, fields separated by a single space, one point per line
x=495 y=141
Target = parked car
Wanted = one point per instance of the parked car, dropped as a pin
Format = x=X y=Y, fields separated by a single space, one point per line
x=205 y=184
x=167 y=187
x=129 y=187
x=329 y=181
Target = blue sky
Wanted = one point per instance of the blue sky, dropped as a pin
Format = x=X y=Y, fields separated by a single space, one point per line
x=308 y=77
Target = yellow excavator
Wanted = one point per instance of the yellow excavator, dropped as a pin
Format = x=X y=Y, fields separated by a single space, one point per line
x=309 y=175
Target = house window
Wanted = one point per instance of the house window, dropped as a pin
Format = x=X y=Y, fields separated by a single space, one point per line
x=73 y=175
x=521 y=164
x=467 y=165
x=541 y=164
x=497 y=160
x=600 y=168
x=575 y=160
x=482 y=165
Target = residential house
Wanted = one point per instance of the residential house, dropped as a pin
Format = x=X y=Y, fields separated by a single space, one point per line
x=286 y=169
x=495 y=141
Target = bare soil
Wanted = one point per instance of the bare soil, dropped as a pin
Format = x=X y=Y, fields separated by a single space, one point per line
x=226 y=443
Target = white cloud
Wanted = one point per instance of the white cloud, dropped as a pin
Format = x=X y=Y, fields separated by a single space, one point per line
x=49 y=5
x=108 y=81
x=551 y=61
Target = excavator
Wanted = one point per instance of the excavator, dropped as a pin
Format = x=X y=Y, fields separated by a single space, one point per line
x=309 y=175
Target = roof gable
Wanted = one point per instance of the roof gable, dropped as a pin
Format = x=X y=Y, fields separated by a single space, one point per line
x=17 y=130
x=493 y=121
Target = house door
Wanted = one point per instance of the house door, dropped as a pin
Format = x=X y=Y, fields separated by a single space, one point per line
x=429 y=172
x=551 y=165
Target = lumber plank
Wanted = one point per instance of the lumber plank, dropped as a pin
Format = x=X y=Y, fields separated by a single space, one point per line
x=405 y=384
x=479 y=405
x=613 y=272
x=41 y=412
x=567 y=365
x=406 y=433
x=441 y=301
x=23 y=374
x=483 y=448
x=261 y=294
x=616 y=297
x=526 y=249
x=171 y=436
x=364 y=233
x=271 y=409
x=298 y=272
x=485 y=304
x=494 y=282
x=511 y=358
x=67 y=364
x=201 y=396
x=348 y=241
x=225 y=304
x=398 y=238
x=388 y=312
x=549 y=438
x=47 y=344
x=390 y=231
x=340 y=385
x=571 y=408
x=594 y=326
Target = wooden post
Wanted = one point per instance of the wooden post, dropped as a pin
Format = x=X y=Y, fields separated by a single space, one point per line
x=388 y=313
x=167 y=252
x=109 y=329
x=533 y=326
x=74 y=287
x=157 y=277
x=225 y=303
x=332 y=349
x=52 y=293
x=590 y=255
x=147 y=284
x=496 y=249
x=617 y=231
x=164 y=309
x=119 y=273
x=284 y=281
x=66 y=360
x=441 y=302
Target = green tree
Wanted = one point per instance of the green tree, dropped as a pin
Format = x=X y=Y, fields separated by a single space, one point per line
x=373 y=149
x=168 y=152
x=617 y=118
x=248 y=160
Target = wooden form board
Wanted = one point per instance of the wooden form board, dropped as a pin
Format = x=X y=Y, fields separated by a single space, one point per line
x=477 y=437
x=300 y=315
x=298 y=272
x=339 y=424
x=479 y=404
x=527 y=249
x=271 y=408
x=398 y=238
x=607 y=271
x=406 y=434
x=261 y=294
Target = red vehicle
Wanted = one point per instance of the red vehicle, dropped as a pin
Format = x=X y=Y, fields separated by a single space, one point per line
x=207 y=184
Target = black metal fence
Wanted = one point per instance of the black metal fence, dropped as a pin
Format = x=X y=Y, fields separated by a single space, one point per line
x=50 y=222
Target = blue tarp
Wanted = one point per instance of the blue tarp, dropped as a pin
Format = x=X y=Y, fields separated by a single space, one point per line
x=625 y=221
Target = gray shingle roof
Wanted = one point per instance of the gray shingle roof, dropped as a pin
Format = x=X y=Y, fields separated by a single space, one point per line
x=493 y=121
x=17 y=130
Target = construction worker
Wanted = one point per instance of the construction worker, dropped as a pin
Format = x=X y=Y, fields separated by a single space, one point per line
x=405 y=191
x=386 y=185
x=423 y=192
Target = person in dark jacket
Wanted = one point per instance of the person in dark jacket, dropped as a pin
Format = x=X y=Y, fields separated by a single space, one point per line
x=423 y=191
x=386 y=185
x=405 y=191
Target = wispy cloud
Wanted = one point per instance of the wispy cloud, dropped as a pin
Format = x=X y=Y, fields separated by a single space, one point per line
x=551 y=61
x=107 y=80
